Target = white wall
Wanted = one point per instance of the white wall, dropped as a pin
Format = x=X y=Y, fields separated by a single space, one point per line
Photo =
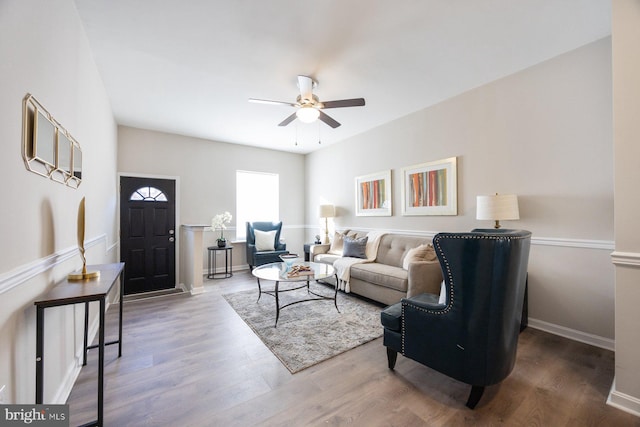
x=44 y=52
x=207 y=172
x=625 y=392
x=544 y=134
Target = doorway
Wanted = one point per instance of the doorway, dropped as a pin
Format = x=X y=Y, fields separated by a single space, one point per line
x=147 y=233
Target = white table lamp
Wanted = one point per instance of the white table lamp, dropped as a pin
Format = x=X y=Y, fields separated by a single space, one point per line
x=326 y=212
x=497 y=207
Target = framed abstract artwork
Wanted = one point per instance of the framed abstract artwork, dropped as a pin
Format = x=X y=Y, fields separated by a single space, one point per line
x=373 y=194
x=430 y=188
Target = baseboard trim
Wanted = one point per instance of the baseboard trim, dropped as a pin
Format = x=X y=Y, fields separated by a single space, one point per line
x=594 y=340
x=623 y=401
x=28 y=271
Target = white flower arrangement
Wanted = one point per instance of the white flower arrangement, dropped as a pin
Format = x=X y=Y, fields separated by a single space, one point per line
x=219 y=222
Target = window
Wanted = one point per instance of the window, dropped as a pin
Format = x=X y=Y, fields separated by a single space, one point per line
x=257 y=199
x=148 y=194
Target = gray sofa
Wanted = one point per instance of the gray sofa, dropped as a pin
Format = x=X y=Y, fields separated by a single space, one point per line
x=385 y=280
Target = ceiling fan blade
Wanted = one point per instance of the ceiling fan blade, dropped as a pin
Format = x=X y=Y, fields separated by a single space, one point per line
x=328 y=120
x=288 y=120
x=305 y=84
x=266 y=101
x=355 y=102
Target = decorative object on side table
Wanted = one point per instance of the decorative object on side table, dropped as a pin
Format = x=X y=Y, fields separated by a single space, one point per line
x=317 y=242
x=84 y=275
x=288 y=260
x=219 y=222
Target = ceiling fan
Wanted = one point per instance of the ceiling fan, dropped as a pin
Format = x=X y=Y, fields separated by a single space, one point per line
x=309 y=107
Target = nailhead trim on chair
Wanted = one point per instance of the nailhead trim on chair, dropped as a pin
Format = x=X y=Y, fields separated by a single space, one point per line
x=436 y=245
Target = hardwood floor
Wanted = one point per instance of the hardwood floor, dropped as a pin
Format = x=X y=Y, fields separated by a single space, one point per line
x=191 y=361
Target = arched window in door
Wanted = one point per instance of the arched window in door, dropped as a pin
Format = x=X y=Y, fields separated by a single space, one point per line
x=148 y=194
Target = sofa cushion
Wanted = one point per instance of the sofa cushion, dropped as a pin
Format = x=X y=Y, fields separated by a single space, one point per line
x=382 y=275
x=355 y=248
x=424 y=252
x=326 y=258
x=394 y=247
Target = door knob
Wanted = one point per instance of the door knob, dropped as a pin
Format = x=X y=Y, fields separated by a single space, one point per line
x=171 y=239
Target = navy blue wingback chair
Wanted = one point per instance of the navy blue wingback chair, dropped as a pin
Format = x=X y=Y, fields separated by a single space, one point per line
x=473 y=336
x=255 y=257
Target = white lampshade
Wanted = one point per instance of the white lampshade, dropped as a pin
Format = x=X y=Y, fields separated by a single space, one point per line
x=497 y=207
x=327 y=211
x=307 y=114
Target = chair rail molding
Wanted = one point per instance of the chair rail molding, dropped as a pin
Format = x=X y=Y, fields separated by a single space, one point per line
x=539 y=241
x=16 y=277
x=629 y=259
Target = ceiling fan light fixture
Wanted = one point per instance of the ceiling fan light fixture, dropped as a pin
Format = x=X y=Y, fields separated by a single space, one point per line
x=307 y=114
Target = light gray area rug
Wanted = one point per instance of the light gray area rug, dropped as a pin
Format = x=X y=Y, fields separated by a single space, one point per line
x=308 y=332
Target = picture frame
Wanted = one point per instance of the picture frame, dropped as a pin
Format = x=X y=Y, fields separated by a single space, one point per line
x=373 y=194
x=430 y=188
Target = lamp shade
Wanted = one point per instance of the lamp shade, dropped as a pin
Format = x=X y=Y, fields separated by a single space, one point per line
x=327 y=211
x=497 y=207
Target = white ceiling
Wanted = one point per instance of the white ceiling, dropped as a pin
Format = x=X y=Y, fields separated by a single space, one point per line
x=189 y=66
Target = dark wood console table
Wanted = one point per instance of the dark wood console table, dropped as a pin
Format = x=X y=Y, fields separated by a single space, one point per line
x=74 y=292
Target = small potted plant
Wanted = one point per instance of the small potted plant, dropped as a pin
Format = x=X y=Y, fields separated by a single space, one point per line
x=219 y=222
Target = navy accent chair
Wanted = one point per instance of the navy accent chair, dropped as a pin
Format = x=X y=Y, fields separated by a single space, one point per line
x=473 y=336
x=255 y=257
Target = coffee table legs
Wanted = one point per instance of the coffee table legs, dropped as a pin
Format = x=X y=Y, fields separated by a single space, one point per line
x=276 y=294
x=277 y=305
x=335 y=296
x=259 y=290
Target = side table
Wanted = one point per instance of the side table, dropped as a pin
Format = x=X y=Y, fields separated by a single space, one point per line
x=307 y=250
x=228 y=262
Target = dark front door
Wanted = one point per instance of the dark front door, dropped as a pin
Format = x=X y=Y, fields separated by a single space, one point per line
x=147 y=233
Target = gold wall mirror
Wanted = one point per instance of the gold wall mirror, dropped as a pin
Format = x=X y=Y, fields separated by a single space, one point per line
x=75 y=177
x=48 y=148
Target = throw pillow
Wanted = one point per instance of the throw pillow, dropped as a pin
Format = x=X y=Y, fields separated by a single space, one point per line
x=424 y=252
x=265 y=240
x=337 y=244
x=355 y=248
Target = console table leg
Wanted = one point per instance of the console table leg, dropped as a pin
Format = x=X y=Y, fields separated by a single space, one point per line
x=101 y=363
x=39 y=354
x=86 y=333
x=120 y=315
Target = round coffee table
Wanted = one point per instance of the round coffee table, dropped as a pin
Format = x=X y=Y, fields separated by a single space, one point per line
x=278 y=272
